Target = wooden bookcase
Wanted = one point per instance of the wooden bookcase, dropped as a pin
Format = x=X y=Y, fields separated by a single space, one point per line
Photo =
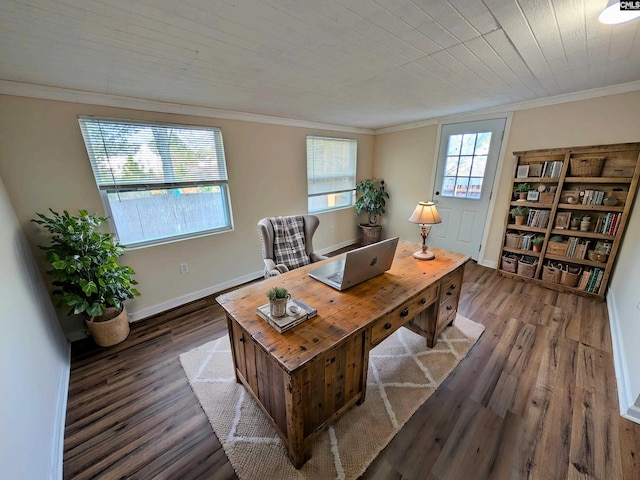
x=566 y=183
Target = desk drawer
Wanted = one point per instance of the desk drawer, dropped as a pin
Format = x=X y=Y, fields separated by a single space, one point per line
x=390 y=322
x=451 y=286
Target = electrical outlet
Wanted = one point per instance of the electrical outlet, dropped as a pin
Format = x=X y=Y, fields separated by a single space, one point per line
x=184 y=268
x=331 y=228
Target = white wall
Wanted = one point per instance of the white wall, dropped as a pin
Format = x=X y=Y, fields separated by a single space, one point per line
x=34 y=362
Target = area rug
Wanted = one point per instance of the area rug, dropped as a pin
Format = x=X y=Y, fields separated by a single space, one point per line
x=403 y=373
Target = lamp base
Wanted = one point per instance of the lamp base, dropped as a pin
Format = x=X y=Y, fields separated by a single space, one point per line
x=426 y=255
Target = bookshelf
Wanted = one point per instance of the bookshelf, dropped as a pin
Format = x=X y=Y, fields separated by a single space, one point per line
x=579 y=202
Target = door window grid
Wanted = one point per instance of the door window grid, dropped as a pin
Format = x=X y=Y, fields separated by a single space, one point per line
x=465 y=165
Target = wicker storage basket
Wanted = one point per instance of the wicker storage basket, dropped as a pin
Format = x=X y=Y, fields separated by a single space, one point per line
x=570 y=276
x=527 y=266
x=110 y=332
x=509 y=264
x=513 y=240
x=586 y=167
x=551 y=273
x=557 y=248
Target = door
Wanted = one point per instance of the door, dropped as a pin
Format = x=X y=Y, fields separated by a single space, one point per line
x=466 y=167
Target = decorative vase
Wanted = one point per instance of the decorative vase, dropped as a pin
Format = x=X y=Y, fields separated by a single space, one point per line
x=111 y=328
x=585 y=225
x=278 y=307
x=536 y=248
x=575 y=224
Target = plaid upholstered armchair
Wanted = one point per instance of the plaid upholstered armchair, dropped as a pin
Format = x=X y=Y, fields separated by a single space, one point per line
x=287 y=242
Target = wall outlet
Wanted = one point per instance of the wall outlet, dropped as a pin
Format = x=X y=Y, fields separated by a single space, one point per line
x=184 y=268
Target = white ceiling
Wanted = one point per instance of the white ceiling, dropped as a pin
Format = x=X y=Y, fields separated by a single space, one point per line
x=359 y=63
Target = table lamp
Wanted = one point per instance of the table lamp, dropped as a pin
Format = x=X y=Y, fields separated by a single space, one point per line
x=425 y=215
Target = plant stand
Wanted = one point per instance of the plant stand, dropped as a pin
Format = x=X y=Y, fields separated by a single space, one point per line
x=370 y=234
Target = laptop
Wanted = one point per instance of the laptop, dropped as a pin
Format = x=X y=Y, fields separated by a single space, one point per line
x=358 y=265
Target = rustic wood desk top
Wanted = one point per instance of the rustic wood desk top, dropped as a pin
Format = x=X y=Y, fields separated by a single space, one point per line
x=340 y=314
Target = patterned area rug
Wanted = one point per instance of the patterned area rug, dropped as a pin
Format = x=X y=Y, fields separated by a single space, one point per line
x=403 y=373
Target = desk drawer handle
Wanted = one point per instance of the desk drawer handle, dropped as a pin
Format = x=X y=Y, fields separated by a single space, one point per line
x=449 y=293
x=387 y=326
x=404 y=312
x=453 y=286
x=242 y=340
x=449 y=307
x=423 y=300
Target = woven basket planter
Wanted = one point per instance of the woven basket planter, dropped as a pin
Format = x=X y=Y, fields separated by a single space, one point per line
x=112 y=331
x=370 y=234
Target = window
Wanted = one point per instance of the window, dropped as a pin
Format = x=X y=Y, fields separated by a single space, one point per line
x=331 y=173
x=159 y=182
x=465 y=165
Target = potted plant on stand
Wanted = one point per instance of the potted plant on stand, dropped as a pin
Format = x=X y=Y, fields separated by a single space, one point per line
x=371 y=198
x=522 y=189
x=86 y=275
x=537 y=242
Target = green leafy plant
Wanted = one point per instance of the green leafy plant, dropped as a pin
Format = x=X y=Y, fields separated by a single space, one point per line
x=85 y=270
x=372 y=198
x=537 y=240
x=275 y=293
x=523 y=187
x=519 y=211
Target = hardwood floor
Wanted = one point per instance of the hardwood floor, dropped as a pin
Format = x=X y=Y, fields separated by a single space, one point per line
x=535 y=398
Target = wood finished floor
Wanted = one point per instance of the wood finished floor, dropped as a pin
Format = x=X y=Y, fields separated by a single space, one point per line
x=535 y=399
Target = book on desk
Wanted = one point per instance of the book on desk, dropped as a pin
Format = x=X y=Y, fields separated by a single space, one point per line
x=300 y=312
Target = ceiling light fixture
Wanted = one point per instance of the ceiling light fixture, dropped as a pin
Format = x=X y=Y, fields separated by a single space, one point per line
x=613 y=15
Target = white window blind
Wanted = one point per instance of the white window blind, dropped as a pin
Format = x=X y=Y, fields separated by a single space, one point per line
x=158 y=181
x=331 y=172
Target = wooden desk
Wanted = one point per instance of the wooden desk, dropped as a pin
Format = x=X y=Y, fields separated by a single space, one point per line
x=307 y=377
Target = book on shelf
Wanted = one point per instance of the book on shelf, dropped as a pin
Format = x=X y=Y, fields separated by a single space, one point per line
x=297 y=312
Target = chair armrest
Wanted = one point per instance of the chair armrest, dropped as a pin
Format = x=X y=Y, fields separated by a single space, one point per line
x=271 y=269
x=316 y=257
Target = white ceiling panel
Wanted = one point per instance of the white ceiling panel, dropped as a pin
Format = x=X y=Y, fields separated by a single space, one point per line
x=358 y=63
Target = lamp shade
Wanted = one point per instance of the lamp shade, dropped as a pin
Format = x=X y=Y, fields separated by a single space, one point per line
x=613 y=15
x=425 y=214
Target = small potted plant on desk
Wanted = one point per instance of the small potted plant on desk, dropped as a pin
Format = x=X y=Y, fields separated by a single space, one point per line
x=372 y=197
x=520 y=214
x=278 y=298
x=86 y=275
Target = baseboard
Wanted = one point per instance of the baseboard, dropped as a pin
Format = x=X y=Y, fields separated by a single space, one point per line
x=625 y=398
x=487 y=263
x=190 y=297
x=57 y=443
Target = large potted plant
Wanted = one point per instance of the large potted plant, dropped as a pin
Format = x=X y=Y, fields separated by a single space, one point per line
x=86 y=275
x=371 y=199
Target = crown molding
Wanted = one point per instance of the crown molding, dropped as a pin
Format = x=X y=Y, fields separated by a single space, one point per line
x=506 y=109
x=79 y=96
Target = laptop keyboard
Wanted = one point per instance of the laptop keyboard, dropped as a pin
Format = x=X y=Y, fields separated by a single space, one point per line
x=335 y=277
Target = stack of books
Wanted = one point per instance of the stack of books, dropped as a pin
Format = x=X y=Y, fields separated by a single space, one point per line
x=296 y=313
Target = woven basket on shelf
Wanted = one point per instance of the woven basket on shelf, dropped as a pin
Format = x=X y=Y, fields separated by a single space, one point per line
x=527 y=267
x=570 y=276
x=513 y=240
x=586 y=167
x=509 y=264
x=551 y=273
x=597 y=257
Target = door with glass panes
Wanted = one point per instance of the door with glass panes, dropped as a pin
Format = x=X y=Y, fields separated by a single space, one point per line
x=467 y=160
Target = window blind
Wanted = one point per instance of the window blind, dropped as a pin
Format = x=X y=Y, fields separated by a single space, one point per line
x=331 y=165
x=130 y=155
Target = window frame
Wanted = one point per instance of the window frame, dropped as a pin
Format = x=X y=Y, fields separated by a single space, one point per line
x=105 y=189
x=350 y=176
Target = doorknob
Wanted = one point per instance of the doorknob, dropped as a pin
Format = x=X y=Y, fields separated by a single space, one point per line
x=437 y=193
